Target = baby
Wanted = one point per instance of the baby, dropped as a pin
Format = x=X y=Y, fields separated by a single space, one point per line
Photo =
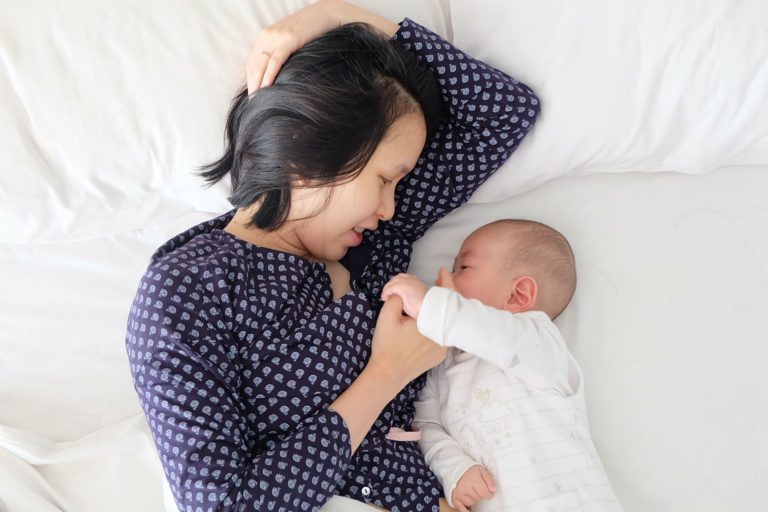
x=503 y=418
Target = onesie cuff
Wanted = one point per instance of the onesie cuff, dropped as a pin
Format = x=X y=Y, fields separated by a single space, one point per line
x=432 y=315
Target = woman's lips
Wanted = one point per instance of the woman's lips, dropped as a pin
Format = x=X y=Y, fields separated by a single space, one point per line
x=355 y=237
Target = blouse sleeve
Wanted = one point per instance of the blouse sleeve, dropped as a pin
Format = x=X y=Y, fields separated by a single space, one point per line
x=488 y=114
x=185 y=370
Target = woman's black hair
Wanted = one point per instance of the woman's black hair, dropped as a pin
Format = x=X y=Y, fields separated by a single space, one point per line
x=330 y=105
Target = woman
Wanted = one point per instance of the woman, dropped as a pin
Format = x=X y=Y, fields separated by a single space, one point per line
x=251 y=337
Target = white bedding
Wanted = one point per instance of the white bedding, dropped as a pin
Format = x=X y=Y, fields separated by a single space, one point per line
x=108 y=107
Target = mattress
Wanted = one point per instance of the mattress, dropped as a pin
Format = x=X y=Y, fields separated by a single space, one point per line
x=652 y=159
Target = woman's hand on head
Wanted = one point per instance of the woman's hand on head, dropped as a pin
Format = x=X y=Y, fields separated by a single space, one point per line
x=399 y=349
x=277 y=42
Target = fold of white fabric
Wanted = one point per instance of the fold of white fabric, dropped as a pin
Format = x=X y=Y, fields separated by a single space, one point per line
x=117 y=461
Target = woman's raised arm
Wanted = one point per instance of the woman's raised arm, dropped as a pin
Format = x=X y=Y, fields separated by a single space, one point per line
x=489 y=113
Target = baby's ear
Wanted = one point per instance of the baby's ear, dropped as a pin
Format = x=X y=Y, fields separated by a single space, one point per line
x=522 y=296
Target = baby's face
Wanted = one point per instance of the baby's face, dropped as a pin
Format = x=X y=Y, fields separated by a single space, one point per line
x=477 y=269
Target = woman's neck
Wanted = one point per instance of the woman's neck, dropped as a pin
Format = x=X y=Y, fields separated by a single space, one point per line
x=282 y=239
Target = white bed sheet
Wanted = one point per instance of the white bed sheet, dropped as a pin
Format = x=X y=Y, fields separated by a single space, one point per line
x=667 y=323
x=107 y=107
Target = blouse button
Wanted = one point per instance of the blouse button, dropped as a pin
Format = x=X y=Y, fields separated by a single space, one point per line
x=366 y=491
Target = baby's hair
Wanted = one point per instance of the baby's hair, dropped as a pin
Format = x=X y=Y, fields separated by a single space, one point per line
x=542 y=250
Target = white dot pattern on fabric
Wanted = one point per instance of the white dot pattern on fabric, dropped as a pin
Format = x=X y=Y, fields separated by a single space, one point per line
x=236 y=351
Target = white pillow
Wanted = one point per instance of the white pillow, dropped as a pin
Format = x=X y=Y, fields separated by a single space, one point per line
x=635 y=85
x=109 y=107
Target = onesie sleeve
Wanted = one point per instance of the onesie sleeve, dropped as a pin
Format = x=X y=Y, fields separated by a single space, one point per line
x=528 y=341
x=488 y=114
x=185 y=370
x=443 y=453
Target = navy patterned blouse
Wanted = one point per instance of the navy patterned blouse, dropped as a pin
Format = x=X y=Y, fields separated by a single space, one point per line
x=237 y=351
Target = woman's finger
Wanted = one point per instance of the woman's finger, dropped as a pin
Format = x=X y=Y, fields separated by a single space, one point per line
x=255 y=69
x=393 y=308
x=388 y=291
x=274 y=63
x=393 y=286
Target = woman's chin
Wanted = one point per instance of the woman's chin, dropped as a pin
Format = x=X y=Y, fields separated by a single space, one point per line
x=337 y=251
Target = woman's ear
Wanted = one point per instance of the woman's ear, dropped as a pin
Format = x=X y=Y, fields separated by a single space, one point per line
x=522 y=296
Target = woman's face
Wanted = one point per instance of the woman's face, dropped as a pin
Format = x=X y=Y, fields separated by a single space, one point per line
x=347 y=209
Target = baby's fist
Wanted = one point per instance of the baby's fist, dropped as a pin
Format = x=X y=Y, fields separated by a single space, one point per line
x=444 y=278
x=474 y=485
x=410 y=289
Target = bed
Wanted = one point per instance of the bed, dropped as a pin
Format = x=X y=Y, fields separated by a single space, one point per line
x=650 y=155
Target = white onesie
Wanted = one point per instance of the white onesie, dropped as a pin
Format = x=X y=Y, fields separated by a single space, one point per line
x=508 y=396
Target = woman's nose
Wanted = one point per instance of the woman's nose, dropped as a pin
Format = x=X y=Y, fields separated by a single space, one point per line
x=387 y=206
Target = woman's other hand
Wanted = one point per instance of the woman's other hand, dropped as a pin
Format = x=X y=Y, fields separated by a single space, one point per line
x=399 y=349
x=399 y=354
x=277 y=42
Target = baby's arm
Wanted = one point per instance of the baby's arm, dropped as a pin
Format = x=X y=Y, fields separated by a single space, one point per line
x=502 y=338
x=443 y=453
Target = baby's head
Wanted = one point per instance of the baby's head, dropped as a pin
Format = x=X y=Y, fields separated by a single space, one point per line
x=516 y=265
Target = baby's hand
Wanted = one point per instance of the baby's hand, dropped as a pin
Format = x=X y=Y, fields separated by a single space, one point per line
x=410 y=289
x=474 y=485
x=444 y=278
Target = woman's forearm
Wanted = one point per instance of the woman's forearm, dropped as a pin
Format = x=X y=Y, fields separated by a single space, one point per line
x=363 y=401
x=399 y=354
x=348 y=13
